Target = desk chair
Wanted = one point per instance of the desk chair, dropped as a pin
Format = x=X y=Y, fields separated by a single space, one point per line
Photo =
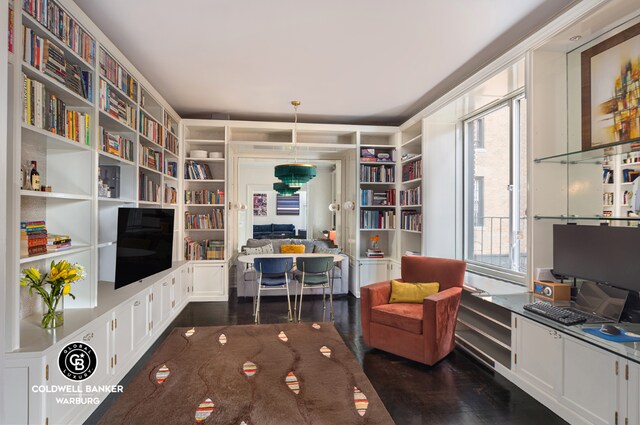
x=313 y=272
x=273 y=273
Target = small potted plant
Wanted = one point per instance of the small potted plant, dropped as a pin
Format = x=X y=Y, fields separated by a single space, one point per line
x=53 y=287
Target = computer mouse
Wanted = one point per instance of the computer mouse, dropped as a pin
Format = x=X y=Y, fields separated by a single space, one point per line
x=610 y=330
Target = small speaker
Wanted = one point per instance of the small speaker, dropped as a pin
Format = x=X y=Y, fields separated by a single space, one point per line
x=553 y=291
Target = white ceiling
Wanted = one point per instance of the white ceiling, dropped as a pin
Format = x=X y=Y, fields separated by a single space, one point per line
x=358 y=61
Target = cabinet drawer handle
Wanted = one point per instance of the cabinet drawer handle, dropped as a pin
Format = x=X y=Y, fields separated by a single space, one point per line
x=88 y=337
x=136 y=304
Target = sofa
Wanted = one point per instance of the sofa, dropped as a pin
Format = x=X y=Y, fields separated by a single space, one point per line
x=274 y=231
x=423 y=332
x=246 y=277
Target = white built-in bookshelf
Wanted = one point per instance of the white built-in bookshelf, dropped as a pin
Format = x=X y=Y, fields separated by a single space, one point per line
x=410 y=196
x=84 y=118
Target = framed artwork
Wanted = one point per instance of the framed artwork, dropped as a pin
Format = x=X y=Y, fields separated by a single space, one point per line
x=610 y=73
x=288 y=205
x=259 y=204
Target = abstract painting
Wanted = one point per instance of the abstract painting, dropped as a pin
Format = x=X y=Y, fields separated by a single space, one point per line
x=259 y=204
x=611 y=90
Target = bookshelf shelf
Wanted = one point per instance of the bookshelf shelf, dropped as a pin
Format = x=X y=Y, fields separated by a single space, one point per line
x=376 y=230
x=413 y=158
x=149 y=203
x=411 y=206
x=378 y=183
x=204 y=181
x=205 y=159
x=53 y=140
x=116 y=200
x=150 y=116
x=55 y=195
x=113 y=124
x=113 y=157
x=61 y=91
x=378 y=206
x=377 y=162
x=171 y=178
x=204 y=230
x=151 y=170
x=412 y=141
x=118 y=90
x=75 y=249
x=145 y=140
x=106 y=244
x=594 y=155
x=172 y=154
x=579 y=218
x=419 y=232
x=204 y=142
x=418 y=180
x=32 y=23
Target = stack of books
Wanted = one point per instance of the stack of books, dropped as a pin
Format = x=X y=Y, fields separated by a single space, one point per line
x=171 y=168
x=170 y=195
x=150 y=158
x=33 y=238
x=171 y=143
x=370 y=197
x=203 y=250
x=57 y=243
x=116 y=145
x=375 y=253
x=195 y=171
x=203 y=197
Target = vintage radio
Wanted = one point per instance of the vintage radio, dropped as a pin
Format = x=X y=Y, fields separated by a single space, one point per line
x=553 y=291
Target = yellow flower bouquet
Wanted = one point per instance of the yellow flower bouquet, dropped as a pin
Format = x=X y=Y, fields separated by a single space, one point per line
x=52 y=287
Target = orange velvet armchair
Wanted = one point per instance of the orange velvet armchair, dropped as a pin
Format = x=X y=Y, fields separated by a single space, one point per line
x=421 y=332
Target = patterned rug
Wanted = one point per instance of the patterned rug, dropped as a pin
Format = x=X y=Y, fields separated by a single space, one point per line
x=253 y=375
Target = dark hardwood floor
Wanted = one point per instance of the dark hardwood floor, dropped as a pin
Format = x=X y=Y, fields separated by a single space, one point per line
x=458 y=390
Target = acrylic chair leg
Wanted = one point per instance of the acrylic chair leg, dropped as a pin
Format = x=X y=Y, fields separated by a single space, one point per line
x=324 y=302
x=257 y=318
x=331 y=297
x=295 y=299
x=288 y=300
x=300 y=303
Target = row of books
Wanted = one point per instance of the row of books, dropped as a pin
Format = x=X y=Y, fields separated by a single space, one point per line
x=116 y=145
x=44 y=110
x=57 y=243
x=375 y=219
x=170 y=195
x=374 y=253
x=377 y=173
x=203 y=250
x=171 y=143
x=607 y=176
x=112 y=104
x=33 y=238
x=213 y=220
x=412 y=170
x=149 y=190
x=371 y=197
x=49 y=14
x=607 y=199
x=628 y=176
x=171 y=168
x=411 y=196
x=411 y=220
x=377 y=155
x=199 y=197
x=196 y=171
x=150 y=158
x=169 y=124
x=151 y=129
x=112 y=71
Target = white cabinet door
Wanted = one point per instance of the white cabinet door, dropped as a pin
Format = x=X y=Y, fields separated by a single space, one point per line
x=372 y=272
x=165 y=288
x=176 y=290
x=395 y=270
x=155 y=300
x=209 y=281
x=590 y=381
x=633 y=393
x=538 y=356
x=122 y=328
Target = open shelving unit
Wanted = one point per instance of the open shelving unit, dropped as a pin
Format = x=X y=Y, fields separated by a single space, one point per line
x=410 y=192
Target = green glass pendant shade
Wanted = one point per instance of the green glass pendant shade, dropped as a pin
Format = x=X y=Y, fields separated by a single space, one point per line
x=284 y=189
x=295 y=175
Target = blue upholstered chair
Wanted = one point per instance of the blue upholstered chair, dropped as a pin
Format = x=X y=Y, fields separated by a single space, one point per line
x=273 y=273
x=313 y=272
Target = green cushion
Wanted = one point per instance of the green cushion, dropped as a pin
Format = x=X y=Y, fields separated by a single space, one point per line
x=312 y=279
x=403 y=292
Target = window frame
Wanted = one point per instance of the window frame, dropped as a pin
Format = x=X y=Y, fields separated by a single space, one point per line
x=512 y=102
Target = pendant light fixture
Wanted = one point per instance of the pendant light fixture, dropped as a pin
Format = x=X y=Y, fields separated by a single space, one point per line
x=294 y=175
x=284 y=189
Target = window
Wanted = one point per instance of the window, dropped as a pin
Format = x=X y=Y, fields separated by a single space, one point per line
x=495 y=187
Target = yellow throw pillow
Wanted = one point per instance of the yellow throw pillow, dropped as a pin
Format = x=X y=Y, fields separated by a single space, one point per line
x=403 y=292
x=292 y=249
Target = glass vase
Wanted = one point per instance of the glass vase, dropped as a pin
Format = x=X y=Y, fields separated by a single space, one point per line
x=52 y=315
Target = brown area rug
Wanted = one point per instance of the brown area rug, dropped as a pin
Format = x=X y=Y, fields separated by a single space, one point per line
x=258 y=374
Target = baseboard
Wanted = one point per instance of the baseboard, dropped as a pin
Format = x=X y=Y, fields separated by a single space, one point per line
x=208 y=298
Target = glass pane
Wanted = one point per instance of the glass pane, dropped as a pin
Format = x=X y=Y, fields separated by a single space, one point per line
x=520 y=254
x=489 y=178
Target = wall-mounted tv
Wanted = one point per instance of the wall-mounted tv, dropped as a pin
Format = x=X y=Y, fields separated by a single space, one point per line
x=145 y=243
x=602 y=254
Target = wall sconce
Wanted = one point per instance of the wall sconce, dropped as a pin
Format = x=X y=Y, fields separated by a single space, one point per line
x=333 y=207
x=349 y=205
x=240 y=206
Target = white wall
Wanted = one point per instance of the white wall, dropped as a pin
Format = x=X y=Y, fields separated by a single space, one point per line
x=3 y=188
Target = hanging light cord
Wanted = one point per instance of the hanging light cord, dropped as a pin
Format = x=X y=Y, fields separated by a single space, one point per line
x=295 y=104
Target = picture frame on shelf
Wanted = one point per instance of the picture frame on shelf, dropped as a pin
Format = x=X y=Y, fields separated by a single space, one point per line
x=611 y=90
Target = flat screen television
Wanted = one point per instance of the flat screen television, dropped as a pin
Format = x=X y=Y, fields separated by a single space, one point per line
x=602 y=254
x=145 y=243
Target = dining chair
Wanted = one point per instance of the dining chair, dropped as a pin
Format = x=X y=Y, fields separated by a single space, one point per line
x=313 y=272
x=273 y=273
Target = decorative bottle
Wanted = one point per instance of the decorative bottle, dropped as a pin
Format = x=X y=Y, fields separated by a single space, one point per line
x=35 y=176
x=26 y=183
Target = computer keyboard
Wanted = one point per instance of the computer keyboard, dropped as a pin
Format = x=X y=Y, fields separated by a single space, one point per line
x=557 y=314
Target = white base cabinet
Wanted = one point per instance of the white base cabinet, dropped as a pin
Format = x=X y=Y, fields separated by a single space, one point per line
x=209 y=281
x=581 y=382
x=370 y=271
x=119 y=337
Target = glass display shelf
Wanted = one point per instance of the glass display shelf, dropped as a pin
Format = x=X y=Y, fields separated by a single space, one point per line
x=578 y=218
x=594 y=155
